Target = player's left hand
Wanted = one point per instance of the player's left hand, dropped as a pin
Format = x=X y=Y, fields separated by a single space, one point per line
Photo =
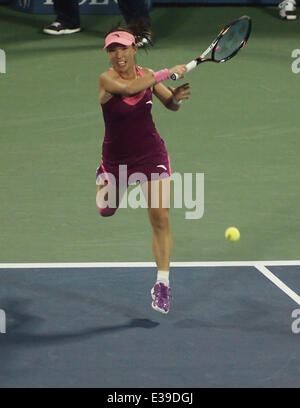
x=181 y=92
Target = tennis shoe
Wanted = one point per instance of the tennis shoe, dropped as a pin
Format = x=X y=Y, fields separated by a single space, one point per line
x=287 y=10
x=57 y=28
x=161 y=297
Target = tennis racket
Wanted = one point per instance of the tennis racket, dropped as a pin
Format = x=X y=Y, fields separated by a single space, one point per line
x=231 y=39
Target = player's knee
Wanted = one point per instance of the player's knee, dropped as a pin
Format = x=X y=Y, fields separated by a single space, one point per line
x=107 y=212
x=160 y=219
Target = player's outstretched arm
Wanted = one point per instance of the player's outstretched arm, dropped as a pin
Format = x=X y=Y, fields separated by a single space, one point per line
x=113 y=84
x=110 y=82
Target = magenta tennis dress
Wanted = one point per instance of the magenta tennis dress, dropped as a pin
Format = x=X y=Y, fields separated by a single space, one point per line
x=131 y=138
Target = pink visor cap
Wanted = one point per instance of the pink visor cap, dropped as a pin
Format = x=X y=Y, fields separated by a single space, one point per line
x=119 y=37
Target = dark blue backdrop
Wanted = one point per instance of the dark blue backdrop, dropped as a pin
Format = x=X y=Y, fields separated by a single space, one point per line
x=111 y=7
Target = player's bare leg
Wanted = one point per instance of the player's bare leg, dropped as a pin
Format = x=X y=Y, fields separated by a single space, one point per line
x=158 y=197
x=161 y=238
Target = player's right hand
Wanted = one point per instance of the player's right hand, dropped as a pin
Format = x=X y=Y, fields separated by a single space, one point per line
x=180 y=70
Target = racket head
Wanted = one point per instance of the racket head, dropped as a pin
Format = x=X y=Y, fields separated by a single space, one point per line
x=231 y=39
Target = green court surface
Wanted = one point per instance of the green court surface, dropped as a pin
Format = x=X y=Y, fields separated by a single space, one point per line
x=240 y=128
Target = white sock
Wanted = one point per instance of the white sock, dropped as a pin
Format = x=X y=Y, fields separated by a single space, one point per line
x=163 y=276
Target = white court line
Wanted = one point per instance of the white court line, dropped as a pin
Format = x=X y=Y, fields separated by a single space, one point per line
x=288 y=291
x=259 y=265
x=56 y=265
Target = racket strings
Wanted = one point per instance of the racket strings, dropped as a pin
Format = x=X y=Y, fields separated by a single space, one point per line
x=232 y=39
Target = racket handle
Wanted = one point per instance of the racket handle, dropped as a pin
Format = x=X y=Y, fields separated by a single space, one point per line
x=191 y=65
x=174 y=76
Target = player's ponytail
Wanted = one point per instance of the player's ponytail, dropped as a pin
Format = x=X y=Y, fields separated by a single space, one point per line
x=140 y=28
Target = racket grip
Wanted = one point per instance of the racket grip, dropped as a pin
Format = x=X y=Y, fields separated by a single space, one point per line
x=191 y=65
x=174 y=76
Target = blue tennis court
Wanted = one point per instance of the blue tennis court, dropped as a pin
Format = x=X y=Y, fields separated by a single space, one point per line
x=72 y=325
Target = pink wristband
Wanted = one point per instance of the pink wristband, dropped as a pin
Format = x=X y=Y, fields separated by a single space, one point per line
x=161 y=75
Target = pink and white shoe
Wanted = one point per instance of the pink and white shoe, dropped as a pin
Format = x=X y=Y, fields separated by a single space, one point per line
x=161 y=297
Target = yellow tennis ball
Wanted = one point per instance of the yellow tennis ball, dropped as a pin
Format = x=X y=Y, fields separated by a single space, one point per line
x=232 y=234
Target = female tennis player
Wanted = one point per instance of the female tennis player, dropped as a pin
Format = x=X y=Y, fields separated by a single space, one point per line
x=133 y=145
